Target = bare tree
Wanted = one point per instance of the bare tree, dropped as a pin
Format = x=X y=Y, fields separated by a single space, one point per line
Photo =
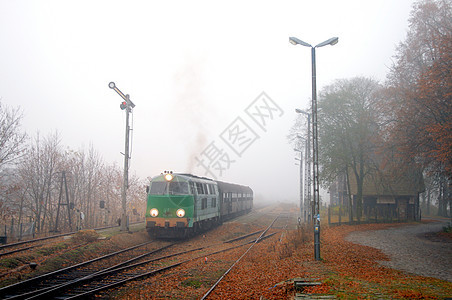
x=136 y=198
x=85 y=177
x=111 y=192
x=38 y=171
x=12 y=140
x=31 y=185
x=92 y=174
x=12 y=147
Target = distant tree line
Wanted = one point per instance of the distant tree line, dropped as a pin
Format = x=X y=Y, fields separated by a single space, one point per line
x=32 y=189
x=403 y=126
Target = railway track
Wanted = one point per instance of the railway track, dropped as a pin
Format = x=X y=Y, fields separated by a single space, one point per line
x=29 y=244
x=87 y=283
x=38 y=284
x=19 y=250
x=93 y=284
x=107 y=278
x=4 y=248
x=23 y=259
x=261 y=236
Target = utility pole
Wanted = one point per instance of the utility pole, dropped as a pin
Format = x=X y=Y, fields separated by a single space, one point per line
x=302 y=208
x=307 y=183
x=63 y=180
x=301 y=185
x=126 y=105
x=308 y=206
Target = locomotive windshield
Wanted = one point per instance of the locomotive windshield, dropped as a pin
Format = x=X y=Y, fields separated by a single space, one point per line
x=172 y=188
x=158 y=188
x=178 y=188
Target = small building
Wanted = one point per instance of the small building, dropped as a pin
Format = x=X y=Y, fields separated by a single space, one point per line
x=390 y=195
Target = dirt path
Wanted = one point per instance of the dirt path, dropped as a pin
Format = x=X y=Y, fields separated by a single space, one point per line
x=410 y=250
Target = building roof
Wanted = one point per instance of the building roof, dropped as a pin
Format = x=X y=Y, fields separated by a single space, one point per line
x=384 y=184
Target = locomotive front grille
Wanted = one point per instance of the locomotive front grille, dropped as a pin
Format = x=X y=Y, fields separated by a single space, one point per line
x=167 y=223
x=180 y=224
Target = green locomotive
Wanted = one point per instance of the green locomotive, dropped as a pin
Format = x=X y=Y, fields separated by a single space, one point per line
x=182 y=205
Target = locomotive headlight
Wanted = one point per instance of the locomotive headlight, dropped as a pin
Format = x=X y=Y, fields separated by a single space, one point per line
x=168 y=177
x=180 y=212
x=154 y=212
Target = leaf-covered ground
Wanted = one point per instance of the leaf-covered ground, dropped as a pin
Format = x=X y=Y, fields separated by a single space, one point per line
x=354 y=271
x=347 y=270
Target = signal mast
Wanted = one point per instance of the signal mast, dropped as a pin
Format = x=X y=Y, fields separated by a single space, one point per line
x=126 y=105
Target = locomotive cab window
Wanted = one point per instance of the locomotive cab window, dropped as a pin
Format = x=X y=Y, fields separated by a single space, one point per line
x=172 y=188
x=158 y=188
x=178 y=188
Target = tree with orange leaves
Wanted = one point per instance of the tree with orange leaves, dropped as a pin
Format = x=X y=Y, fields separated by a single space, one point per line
x=418 y=102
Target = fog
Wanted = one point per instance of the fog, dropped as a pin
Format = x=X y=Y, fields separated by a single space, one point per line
x=196 y=71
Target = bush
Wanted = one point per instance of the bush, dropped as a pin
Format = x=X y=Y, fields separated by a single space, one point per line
x=293 y=240
x=85 y=236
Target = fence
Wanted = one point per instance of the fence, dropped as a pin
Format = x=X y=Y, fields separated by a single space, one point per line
x=338 y=215
x=17 y=231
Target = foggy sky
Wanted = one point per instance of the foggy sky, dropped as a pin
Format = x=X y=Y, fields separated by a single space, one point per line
x=192 y=68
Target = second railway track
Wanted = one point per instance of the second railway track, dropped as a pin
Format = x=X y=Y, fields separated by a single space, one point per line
x=27 y=288
x=94 y=281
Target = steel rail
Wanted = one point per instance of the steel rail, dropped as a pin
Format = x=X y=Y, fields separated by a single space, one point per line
x=34 y=240
x=32 y=281
x=85 y=281
x=56 y=236
x=49 y=292
x=242 y=237
x=238 y=260
x=19 y=250
x=154 y=272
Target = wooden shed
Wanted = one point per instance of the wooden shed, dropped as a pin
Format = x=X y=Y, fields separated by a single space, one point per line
x=394 y=195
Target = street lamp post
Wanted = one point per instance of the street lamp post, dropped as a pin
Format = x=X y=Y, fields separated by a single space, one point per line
x=315 y=146
x=127 y=104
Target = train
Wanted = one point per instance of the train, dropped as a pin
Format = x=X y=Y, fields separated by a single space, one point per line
x=181 y=205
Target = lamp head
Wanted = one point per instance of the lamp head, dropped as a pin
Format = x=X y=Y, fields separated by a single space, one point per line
x=332 y=41
x=295 y=41
x=299 y=111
